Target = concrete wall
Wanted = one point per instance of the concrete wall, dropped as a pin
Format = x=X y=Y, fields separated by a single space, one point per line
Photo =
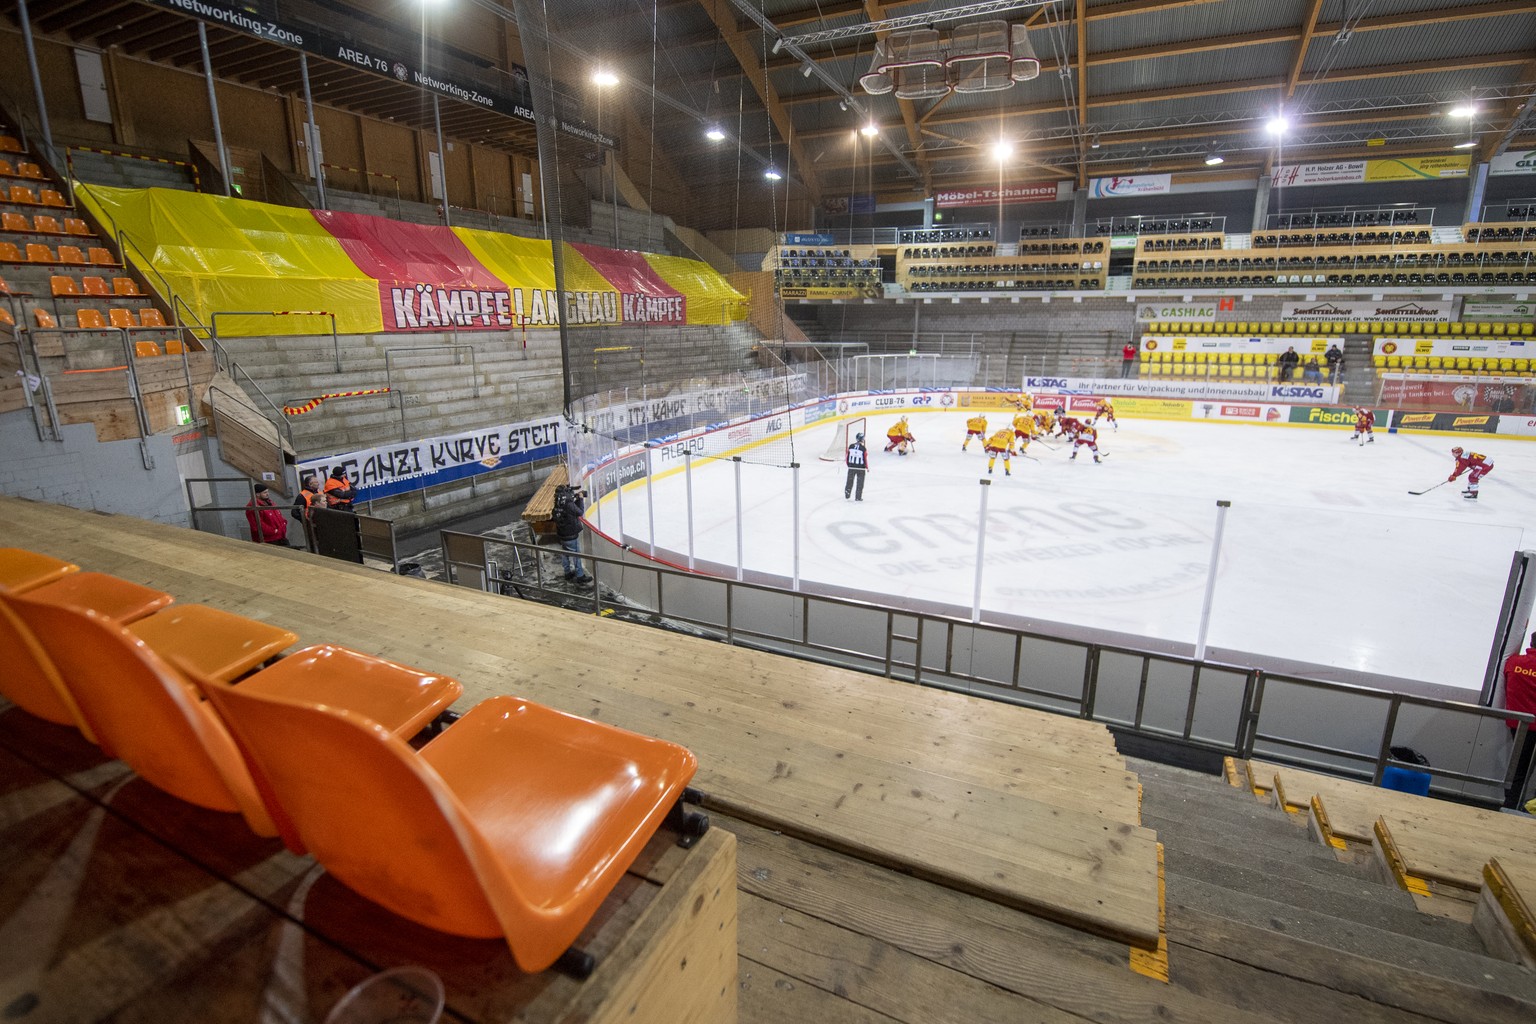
x=83 y=473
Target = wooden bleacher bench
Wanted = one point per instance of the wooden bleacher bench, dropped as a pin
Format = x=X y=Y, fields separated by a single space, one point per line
x=1505 y=918
x=539 y=513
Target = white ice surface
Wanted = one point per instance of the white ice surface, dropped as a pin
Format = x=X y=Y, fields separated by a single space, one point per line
x=1326 y=558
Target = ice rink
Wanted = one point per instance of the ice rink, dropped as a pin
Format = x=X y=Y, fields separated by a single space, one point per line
x=1326 y=559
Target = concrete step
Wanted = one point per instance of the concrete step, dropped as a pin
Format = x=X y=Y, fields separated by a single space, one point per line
x=1383 y=907
x=1397 y=950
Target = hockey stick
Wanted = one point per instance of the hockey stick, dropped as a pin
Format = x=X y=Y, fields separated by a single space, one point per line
x=1426 y=490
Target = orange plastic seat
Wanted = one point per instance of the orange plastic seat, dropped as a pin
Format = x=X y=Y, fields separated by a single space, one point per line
x=146 y=349
x=174 y=347
x=10 y=144
x=44 y=318
x=59 y=284
x=23 y=195
x=71 y=254
x=47 y=224
x=53 y=197
x=76 y=226
x=28 y=170
x=6 y=318
x=22 y=570
x=5 y=289
x=212 y=643
x=151 y=317
x=125 y=286
x=30 y=681
x=5 y=168
x=93 y=285
x=14 y=222
x=122 y=318
x=116 y=599
x=9 y=253
x=517 y=821
x=37 y=252
x=102 y=257
x=90 y=320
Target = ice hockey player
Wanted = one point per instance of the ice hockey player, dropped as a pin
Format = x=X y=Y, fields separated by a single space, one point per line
x=899 y=438
x=1365 y=419
x=1000 y=443
x=1025 y=402
x=1086 y=436
x=1067 y=426
x=1475 y=465
x=975 y=427
x=1105 y=408
x=1045 y=419
x=1024 y=428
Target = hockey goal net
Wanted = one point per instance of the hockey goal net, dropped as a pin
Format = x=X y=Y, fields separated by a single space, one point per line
x=842 y=437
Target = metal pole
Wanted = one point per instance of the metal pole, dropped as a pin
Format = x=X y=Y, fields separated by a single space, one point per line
x=37 y=81
x=314 y=131
x=213 y=106
x=650 y=500
x=442 y=159
x=740 y=550
x=1210 y=579
x=981 y=550
x=688 y=479
x=794 y=477
x=618 y=498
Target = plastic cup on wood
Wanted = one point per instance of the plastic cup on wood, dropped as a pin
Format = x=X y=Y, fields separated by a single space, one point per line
x=401 y=995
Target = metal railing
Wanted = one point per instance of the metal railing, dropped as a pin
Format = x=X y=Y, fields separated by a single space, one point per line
x=928 y=649
x=335 y=339
x=141 y=414
x=376 y=536
x=474 y=370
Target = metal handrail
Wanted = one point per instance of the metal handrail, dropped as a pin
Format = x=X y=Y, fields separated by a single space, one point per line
x=278 y=418
x=335 y=339
x=1084 y=702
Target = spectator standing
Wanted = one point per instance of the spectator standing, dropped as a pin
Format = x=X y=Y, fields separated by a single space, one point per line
x=309 y=494
x=266 y=520
x=1288 y=361
x=1520 y=695
x=339 y=491
x=1335 y=360
x=1127 y=359
x=567 y=516
x=858 y=465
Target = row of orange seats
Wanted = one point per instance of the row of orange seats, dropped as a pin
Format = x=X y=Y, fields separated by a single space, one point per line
x=515 y=821
x=22 y=195
x=23 y=169
x=68 y=255
x=44 y=224
x=67 y=287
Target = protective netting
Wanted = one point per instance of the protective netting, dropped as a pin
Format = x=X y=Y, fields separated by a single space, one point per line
x=618 y=211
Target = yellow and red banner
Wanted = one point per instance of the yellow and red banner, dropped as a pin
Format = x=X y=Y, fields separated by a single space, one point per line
x=377 y=275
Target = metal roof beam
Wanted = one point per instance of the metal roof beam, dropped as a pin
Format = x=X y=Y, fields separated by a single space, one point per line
x=887 y=25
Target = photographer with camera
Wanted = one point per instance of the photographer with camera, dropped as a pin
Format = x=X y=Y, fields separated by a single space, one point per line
x=567 y=511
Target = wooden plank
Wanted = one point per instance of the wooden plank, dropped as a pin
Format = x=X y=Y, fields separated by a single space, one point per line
x=1446 y=852
x=768 y=996
x=1505 y=918
x=869 y=972
x=775 y=760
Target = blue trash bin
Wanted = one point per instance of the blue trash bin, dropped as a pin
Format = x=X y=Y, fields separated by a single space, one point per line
x=1406 y=780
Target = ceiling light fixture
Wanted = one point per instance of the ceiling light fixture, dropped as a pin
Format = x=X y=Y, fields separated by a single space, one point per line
x=1002 y=149
x=1213 y=159
x=604 y=77
x=715 y=133
x=1277 y=125
x=869 y=131
x=1465 y=110
x=772 y=174
x=1469 y=143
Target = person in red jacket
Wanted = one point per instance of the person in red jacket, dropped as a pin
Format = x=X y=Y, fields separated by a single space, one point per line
x=1127 y=359
x=267 y=523
x=1520 y=696
x=1474 y=464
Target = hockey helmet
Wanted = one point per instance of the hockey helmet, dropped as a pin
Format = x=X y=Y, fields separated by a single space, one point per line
x=1456 y=452
x=858 y=437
